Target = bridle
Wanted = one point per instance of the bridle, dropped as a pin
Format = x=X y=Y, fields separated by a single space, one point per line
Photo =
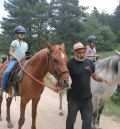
x=55 y=72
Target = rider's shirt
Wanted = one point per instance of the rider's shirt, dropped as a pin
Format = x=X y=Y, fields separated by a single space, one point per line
x=19 y=48
x=91 y=52
x=80 y=73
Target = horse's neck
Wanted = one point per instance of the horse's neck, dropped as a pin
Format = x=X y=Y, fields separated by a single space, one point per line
x=38 y=64
x=108 y=69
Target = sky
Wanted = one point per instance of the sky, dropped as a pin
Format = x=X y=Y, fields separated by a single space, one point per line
x=102 y=5
x=108 y=6
x=2 y=11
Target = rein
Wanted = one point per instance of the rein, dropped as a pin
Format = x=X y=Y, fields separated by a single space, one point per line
x=32 y=77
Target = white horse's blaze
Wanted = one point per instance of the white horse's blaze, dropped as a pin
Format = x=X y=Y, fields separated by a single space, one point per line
x=62 y=56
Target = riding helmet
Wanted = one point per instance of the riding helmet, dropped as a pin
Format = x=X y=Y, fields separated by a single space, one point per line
x=19 y=29
x=92 y=38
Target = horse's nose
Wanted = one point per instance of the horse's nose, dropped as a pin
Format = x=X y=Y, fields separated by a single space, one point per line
x=66 y=84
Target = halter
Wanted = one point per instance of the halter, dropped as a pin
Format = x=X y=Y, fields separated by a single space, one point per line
x=55 y=72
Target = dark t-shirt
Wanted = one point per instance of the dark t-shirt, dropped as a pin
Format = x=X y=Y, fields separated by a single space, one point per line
x=80 y=73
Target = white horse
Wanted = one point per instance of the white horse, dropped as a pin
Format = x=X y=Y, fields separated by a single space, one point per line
x=109 y=69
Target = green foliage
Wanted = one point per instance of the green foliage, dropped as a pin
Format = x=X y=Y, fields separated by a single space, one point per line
x=112 y=109
x=116 y=96
x=105 y=37
x=115 y=24
x=4 y=44
x=117 y=46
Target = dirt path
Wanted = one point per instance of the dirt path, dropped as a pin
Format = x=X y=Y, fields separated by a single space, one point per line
x=48 y=117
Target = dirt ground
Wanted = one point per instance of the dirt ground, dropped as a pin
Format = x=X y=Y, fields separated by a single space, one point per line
x=48 y=117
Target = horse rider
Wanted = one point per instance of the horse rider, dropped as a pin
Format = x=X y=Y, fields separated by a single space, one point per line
x=91 y=50
x=17 y=51
x=79 y=96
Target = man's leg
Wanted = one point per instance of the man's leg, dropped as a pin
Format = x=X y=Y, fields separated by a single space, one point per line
x=73 y=107
x=86 y=114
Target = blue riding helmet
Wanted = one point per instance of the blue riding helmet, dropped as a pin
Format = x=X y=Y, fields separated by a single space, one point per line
x=92 y=38
x=19 y=29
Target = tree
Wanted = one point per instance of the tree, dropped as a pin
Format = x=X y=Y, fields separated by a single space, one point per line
x=104 y=18
x=115 y=25
x=66 y=20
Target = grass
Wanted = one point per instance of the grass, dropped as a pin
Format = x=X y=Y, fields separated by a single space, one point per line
x=112 y=109
x=105 y=54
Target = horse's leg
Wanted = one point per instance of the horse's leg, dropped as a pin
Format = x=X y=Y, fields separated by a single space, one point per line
x=1 y=99
x=23 y=104
x=8 y=103
x=60 y=105
x=101 y=106
x=95 y=102
x=34 y=112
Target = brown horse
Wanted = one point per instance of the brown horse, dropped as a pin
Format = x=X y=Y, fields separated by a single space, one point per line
x=52 y=59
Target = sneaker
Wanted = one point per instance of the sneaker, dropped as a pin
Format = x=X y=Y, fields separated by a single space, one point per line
x=1 y=91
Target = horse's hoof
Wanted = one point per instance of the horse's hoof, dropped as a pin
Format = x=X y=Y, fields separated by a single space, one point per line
x=10 y=125
x=0 y=118
x=61 y=114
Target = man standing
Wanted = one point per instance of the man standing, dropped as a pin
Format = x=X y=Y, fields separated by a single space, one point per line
x=79 y=96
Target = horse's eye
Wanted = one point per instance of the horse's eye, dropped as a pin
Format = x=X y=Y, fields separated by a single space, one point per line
x=55 y=61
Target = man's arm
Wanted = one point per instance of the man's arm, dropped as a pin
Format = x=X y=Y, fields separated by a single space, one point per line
x=98 y=78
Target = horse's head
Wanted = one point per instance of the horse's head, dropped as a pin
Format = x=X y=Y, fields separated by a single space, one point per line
x=57 y=60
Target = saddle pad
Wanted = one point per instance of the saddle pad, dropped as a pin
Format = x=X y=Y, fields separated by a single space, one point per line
x=20 y=73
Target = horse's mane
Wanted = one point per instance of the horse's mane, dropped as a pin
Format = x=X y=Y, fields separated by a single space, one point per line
x=38 y=56
x=109 y=63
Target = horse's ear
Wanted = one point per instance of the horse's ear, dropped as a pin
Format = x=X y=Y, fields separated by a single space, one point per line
x=63 y=46
x=49 y=46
